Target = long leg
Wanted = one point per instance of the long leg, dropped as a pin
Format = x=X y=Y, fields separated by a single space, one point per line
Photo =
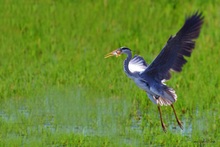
x=161 y=120
x=178 y=121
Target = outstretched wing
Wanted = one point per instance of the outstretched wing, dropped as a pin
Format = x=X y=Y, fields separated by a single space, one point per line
x=172 y=55
x=137 y=64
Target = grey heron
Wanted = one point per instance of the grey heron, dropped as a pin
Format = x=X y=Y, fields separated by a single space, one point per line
x=151 y=77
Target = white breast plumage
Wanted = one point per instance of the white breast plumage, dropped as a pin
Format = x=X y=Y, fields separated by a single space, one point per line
x=137 y=64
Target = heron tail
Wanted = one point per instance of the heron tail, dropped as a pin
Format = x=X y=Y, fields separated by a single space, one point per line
x=162 y=95
x=167 y=98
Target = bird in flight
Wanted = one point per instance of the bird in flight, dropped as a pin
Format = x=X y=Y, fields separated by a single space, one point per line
x=151 y=77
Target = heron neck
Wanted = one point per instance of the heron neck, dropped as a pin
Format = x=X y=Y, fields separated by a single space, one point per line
x=126 y=62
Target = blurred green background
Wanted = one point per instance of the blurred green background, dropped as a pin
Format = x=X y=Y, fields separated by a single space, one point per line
x=56 y=88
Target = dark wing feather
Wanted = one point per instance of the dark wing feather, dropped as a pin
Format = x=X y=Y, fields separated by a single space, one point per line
x=172 y=55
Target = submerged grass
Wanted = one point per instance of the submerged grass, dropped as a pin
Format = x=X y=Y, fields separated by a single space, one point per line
x=49 y=46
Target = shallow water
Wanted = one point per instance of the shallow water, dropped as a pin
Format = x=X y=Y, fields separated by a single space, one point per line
x=74 y=113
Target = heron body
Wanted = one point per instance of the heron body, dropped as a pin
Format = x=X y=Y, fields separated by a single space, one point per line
x=157 y=91
x=151 y=77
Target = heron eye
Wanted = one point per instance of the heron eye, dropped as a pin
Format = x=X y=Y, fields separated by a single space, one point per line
x=118 y=52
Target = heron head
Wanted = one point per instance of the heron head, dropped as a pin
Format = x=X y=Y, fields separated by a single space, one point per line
x=117 y=52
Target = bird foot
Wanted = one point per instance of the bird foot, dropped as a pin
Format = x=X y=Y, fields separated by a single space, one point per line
x=180 y=124
x=164 y=127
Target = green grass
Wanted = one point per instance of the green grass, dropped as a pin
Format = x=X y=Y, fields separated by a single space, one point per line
x=57 y=89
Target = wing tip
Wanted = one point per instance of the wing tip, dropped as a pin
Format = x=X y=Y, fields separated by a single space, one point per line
x=192 y=25
x=197 y=15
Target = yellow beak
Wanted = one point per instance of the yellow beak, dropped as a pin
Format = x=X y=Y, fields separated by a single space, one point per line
x=109 y=54
x=112 y=54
